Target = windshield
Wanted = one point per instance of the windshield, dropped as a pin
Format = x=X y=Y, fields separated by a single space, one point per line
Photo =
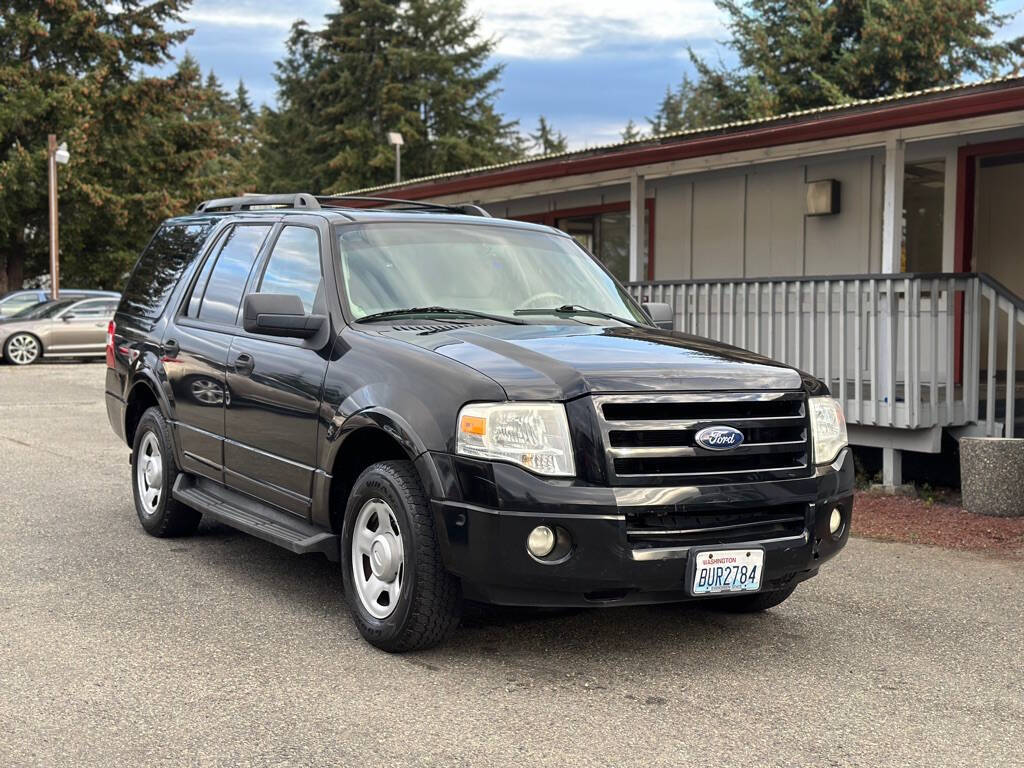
x=46 y=309
x=487 y=269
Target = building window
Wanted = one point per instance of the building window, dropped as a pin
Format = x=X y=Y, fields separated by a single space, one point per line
x=604 y=231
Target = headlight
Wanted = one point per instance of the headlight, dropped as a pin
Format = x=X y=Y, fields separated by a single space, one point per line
x=532 y=435
x=828 y=428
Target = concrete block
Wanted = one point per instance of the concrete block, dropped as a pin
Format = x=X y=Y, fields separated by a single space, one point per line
x=992 y=475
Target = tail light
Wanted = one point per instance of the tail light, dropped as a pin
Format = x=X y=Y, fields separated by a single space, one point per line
x=110 y=343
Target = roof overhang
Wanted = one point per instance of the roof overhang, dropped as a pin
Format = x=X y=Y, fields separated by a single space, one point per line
x=867 y=117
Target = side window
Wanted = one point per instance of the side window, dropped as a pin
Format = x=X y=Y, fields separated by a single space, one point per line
x=88 y=309
x=223 y=292
x=161 y=265
x=294 y=266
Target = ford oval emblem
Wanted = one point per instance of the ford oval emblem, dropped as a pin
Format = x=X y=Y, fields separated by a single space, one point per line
x=719 y=438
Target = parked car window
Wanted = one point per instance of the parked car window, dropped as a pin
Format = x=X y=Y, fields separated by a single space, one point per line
x=18 y=302
x=161 y=265
x=294 y=266
x=223 y=292
x=46 y=309
x=88 y=309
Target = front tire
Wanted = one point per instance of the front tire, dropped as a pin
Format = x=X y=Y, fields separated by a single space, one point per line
x=22 y=349
x=755 y=603
x=153 y=475
x=400 y=595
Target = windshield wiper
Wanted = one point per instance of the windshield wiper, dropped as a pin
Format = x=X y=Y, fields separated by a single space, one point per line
x=576 y=309
x=388 y=314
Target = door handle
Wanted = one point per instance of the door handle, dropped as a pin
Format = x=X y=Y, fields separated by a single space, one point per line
x=170 y=348
x=244 y=364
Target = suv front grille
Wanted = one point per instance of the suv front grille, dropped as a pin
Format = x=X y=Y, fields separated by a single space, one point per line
x=650 y=439
x=651 y=529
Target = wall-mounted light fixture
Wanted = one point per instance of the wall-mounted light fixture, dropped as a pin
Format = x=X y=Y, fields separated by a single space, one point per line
x=823 y=197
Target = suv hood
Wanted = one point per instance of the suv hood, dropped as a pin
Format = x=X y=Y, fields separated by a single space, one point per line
x=554 y=362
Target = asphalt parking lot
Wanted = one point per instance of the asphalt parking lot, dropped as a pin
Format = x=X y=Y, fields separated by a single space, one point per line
x=120 y=649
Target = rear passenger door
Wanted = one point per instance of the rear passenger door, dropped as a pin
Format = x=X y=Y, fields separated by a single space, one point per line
x=196 y=344
x=82 y=327
x=274 y=384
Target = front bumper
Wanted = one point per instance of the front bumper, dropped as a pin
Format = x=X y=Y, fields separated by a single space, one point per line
x=488 y=510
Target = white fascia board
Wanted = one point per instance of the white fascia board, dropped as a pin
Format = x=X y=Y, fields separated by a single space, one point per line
x=694 y=165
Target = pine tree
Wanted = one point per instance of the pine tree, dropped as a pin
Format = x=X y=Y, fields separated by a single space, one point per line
x=547 y=141
x=418 y=67
x=797 y=55
x=139 y=147
x=631 y=132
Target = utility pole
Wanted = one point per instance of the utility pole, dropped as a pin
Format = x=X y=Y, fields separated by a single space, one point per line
x=54 y=154
x=54 y=237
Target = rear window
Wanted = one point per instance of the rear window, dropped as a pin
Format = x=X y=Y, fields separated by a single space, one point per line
x=173 y=248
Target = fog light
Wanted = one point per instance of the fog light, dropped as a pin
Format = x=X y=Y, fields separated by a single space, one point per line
x=835 y=521
x=541 y=541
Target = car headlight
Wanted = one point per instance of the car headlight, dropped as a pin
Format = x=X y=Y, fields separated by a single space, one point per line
x=532 y=435
x=828 y=428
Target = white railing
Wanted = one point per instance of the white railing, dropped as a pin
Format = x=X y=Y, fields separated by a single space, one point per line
x=857 y=333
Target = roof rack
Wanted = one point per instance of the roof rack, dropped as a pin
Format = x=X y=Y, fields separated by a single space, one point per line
x=308 y=202
x=467 y=209
x=302 y=200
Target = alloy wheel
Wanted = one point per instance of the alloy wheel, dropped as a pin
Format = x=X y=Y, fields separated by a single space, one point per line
x=23 y=349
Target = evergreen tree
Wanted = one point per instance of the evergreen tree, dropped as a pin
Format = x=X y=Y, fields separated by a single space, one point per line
x=631 y=132
x=140 y=145
x=798 y=55
x=417 y=67
x=547 y=141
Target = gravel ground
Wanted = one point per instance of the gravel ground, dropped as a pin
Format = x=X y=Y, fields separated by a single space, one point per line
x=119 y=649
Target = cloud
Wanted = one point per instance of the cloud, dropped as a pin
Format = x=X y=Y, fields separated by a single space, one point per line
x=542 y=29
x=235 y=19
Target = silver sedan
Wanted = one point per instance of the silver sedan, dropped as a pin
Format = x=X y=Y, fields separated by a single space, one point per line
x=61 y=328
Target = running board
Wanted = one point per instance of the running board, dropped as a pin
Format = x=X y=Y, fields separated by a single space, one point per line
x=252 y=517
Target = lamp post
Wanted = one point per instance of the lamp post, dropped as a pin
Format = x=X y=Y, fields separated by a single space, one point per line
x=55 y=154
x=395 y=140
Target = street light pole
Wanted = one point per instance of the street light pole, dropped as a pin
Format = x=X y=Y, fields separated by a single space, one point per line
x=396 y=140
x=54 y=154
x=54 y=238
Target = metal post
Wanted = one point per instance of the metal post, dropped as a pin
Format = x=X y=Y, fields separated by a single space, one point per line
x=637 y=203
x=398 y=163
x=54 y=238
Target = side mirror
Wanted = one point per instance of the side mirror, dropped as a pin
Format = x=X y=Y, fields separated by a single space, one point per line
x=661 y=315
x=279 y=314
x=68 y=316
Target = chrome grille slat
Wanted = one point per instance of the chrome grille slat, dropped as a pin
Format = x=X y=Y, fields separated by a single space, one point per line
x=788 y=446
x=775 y=421
x=650 y=438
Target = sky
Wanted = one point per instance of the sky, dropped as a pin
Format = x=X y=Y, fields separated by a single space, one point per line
x=587 y=65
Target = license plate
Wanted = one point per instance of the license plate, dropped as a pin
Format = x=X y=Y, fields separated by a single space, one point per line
x=727 y=570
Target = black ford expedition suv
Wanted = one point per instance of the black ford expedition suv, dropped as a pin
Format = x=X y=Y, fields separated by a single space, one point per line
x=454 y=406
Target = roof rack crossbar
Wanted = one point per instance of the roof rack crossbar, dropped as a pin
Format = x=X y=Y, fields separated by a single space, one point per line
x=302 y=200
x=467 y=209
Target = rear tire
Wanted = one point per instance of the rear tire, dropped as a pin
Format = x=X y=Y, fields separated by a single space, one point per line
x=22 y=349
x=400 y=595
x=153 y=475
x=755 y=603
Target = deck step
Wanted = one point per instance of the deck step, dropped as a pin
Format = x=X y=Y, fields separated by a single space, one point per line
x=254 y=518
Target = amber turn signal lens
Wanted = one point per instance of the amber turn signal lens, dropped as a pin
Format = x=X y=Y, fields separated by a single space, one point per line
x=473 y=425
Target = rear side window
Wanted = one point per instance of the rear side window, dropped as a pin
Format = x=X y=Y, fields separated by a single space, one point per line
x=223 y=291
x=294 y=266
x=173 y=248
